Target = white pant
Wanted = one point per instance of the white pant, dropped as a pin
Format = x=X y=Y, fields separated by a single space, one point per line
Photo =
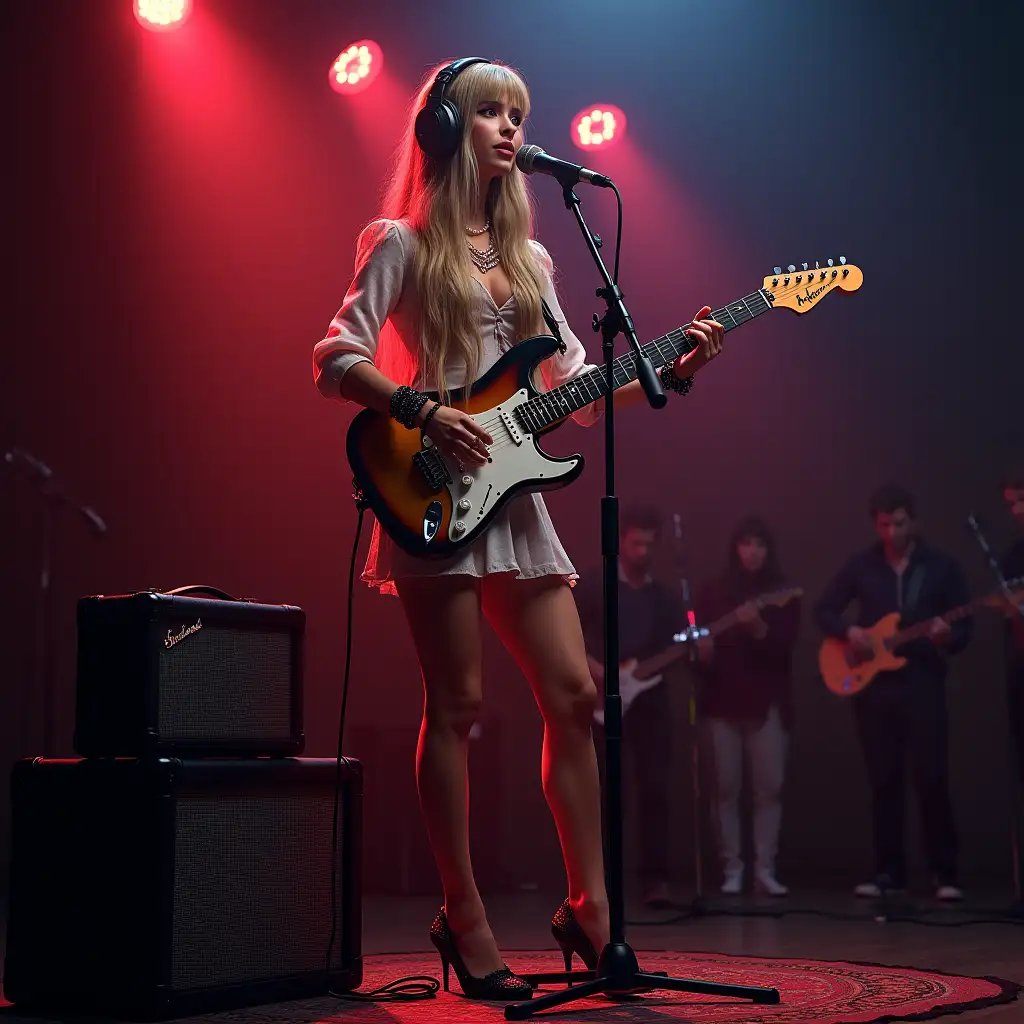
x=765 y=745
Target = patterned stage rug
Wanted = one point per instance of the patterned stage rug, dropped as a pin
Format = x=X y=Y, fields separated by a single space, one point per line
x=817 y=991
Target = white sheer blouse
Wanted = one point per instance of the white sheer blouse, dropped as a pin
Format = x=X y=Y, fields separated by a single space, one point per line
x=521 y=539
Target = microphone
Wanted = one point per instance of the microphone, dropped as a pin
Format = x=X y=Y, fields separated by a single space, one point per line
x=533 y=159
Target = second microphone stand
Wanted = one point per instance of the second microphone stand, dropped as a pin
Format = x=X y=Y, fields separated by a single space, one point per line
x=618 y=971
x=1017 y=909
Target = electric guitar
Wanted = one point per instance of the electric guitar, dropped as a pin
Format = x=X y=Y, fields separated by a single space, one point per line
x=432 y=507
x=845 y=672
x=636 y=677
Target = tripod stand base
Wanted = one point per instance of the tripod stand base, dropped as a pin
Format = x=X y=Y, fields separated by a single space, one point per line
x=618 y=973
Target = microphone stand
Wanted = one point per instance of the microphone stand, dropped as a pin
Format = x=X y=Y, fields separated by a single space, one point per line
x=617 y=968
x=53 y=495
x=1017 y=910
x=692 y=633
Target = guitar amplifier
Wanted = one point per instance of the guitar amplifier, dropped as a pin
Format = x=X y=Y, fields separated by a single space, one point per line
x=164 y=888
x=172 y=673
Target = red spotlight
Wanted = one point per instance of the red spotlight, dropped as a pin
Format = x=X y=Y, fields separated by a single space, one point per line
x=356 y=67
x=162 y=15
x=601 y=125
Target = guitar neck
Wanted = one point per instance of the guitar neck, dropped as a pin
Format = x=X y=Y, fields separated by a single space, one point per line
x=921 y=629
x=732 y=618
x=554 y=405
x=665 y=658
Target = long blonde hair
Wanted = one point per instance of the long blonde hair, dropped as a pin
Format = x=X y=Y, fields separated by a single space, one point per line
x=438 y=200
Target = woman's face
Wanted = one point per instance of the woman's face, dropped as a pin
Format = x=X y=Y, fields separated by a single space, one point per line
x=752 y=552
x=497 y=135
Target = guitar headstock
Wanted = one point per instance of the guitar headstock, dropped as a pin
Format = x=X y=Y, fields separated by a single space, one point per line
x=801 y=289
x=778 y=598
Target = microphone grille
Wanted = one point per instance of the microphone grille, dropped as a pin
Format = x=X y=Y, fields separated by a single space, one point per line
x=526 y=156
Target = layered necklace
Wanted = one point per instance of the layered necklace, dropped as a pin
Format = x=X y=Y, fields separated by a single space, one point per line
x=483 y=259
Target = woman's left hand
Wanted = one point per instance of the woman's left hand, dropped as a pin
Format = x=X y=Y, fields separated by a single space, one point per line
x=709 y=335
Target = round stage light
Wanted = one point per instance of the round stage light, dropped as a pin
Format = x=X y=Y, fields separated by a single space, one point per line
x=356 y=67
x=162 y=15
x=598 y=127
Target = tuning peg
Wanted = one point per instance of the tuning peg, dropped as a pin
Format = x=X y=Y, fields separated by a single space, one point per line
x=830 y=263
x=776 y=270
x=842 y=259
x=816 y=265
x=791 y=268
x=804 y=265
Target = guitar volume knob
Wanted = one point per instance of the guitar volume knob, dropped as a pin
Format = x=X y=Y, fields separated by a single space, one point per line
x=459 y=526
x=467 y=481
x=463 y=505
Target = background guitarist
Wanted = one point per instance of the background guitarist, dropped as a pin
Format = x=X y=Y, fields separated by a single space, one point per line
x=650 y=613
x=747 y=700
x=903 y=712
x=1012 y=565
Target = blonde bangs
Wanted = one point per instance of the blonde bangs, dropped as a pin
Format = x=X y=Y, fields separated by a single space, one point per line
x=489 y=82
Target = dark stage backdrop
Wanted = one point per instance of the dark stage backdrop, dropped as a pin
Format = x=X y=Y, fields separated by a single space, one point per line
x=182 y=214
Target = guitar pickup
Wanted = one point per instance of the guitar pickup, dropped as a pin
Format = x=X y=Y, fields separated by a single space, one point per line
x=432 y=467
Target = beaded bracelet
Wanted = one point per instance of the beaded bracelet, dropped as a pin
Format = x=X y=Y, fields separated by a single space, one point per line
x=670 y=382
x=405 y=405
x=430 y=412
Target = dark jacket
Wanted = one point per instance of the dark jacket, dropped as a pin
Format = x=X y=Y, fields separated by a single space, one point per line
x=1012 y=566
x=933 y=584
x=649 y=616
x=748 y=676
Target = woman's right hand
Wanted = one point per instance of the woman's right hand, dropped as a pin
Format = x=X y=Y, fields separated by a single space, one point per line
x=457 y=434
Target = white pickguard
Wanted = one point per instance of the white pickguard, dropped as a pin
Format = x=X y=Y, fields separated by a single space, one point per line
x=515 y=457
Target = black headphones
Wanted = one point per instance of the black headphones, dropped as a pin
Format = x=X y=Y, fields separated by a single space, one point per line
x=439 y=123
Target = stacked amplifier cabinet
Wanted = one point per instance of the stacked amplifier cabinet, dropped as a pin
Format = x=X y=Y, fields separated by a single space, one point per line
x=161 y=888
x=184 y=864
x=174 y=673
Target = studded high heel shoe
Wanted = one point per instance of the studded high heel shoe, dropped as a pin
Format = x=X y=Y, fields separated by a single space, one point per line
x=500 y=985
x=571 y=938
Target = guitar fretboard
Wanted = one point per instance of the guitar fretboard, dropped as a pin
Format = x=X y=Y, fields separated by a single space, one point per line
x=554 y=405
x=923 y=628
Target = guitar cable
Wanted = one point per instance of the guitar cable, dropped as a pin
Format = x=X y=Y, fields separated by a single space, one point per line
x=412 y=987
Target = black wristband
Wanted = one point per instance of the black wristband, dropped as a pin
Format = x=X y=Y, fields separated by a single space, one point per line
x=670 y=382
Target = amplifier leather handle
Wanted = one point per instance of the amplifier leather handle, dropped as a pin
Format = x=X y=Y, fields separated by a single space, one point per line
x=200 y=588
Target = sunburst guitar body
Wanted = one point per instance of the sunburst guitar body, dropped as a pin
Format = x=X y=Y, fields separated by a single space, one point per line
x=431 y=506
x=428 y=503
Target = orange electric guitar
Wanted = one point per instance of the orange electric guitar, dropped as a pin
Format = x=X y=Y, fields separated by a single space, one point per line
x=846 y=673
x=432 y=507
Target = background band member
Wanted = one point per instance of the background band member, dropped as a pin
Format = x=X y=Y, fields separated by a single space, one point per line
x=456 y=272
x=649 y=615
x=1012 y=566
x=903 y=712
x=747 y=699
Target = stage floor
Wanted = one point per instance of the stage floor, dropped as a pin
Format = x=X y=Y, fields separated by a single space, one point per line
x=819 y=925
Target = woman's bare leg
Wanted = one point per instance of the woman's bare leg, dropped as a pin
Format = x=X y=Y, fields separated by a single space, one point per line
x=538 y=623
x=444 y=616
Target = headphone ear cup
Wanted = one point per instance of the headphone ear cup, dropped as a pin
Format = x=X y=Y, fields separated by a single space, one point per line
x=439 y=129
